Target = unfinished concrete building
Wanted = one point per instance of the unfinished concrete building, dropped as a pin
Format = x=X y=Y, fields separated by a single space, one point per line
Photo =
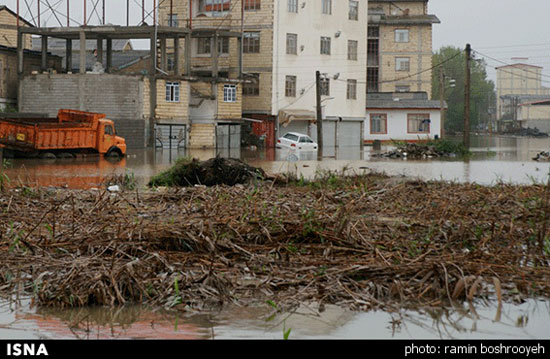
x=165 y=104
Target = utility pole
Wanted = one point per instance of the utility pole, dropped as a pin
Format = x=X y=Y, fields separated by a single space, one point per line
x=442 y=99
x=467 y=98
x=319 y=117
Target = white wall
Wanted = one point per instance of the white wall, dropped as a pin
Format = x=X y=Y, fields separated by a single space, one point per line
x=397 y=126
x=310 y=24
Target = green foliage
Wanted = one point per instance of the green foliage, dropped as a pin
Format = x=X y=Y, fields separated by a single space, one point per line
x=447 y=146
x=483 y=96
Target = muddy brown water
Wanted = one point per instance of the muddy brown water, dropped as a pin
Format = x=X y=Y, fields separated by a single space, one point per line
x=495 y=159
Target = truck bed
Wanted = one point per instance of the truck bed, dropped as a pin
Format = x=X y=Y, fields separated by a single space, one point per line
x=68 y=131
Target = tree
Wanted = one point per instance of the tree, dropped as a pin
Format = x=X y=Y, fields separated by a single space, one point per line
x=483 y=96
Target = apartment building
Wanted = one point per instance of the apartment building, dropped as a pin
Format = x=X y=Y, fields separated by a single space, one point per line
x=283 y=44
x=400 y=46
x=399 y=76
x=518 y=84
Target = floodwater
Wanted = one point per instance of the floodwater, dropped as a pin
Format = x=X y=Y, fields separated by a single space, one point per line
x=495 y=159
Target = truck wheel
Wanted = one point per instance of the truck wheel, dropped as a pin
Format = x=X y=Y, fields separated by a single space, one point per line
x=114 y=152
x=47 y=155
x=65 y=155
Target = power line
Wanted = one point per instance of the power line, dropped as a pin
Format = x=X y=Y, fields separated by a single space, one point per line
x=507 y=64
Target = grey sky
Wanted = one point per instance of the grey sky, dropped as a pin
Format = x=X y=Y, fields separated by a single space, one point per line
x=500 y=29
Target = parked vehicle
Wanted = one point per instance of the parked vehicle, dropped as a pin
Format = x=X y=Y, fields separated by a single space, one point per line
x=70 y=133
x=295 y=140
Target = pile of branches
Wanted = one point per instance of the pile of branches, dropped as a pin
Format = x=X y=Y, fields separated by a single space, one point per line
x=215 y=171
x=413 y=150
x=361 y=242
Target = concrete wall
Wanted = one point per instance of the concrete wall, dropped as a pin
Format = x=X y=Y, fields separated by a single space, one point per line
x=121 y=98
x=397 y=125
x=535 y=117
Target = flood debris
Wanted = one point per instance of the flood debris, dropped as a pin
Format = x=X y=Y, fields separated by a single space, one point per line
x=361 y=242
x=542 y=156
x=215 y=171
x=527 y=131
x=431 y=149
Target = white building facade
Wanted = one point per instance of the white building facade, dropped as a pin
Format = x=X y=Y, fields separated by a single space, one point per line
x=409 y=117
x=326 y=36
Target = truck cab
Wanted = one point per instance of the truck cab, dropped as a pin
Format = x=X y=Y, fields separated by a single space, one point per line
x=108 y=142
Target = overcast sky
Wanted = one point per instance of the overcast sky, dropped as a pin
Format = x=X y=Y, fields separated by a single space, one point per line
x=500 y=29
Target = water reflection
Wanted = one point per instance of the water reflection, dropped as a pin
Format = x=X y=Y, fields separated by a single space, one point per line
x=529 y=320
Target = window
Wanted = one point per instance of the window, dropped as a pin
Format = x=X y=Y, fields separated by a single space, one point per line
x=173 y=20
x=251 y=42
x=223 y=45
x=291 y=136
x=292 y=44
x=327 y=7
x=204 y=45
x=170 y=65
x=378 y=123
x=216 y=7
x=306 y=139
x=293 y=6
x=418 y=123
x=109 y=130
x=402 y=63
x=353 y=10
x=325 y=45
x=373 y=32
x=325 y=87
x=252 y=4
x=372 y=79
x=402 y=35
x=229 y=93
x=290 y=86
x=351 y=93
x=402 y=88
x=352 y=50
x=173 y=92
x=252 y=89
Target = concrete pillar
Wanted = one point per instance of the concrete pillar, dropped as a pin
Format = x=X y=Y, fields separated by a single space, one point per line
x=215 y=57
x=99 y=48
x=69 y=55
x=109 y=65
x=82 y=52
x=44 y=63
x=240 y=50
x=163 y=58
x=187 y=54
x=177 y=70
x=20 y=51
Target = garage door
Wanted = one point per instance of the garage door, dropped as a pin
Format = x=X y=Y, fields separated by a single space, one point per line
x=170 y=136
x=228 y=136
x=294 y=126
x=349 y=134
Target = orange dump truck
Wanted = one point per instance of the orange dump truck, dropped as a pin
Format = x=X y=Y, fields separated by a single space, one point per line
x=71 y=132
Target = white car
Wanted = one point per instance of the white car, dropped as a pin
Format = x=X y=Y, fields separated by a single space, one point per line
x=299 y=141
